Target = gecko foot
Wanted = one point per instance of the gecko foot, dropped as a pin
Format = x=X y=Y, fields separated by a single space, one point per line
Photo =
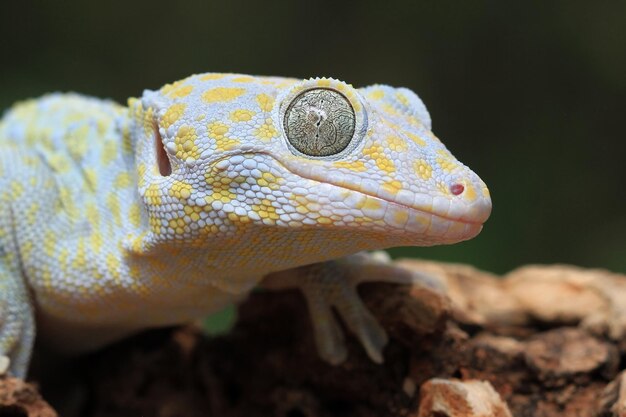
x=332 y=286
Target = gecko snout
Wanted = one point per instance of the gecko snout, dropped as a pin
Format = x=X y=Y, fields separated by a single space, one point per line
x=470 y=200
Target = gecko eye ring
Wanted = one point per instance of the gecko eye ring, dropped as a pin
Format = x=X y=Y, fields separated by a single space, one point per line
x=320 y=122
x=322 y=118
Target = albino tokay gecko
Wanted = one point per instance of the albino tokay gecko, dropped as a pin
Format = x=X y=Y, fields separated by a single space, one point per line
x=115 y=219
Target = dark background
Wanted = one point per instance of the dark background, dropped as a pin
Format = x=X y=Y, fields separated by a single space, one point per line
x=530 y=94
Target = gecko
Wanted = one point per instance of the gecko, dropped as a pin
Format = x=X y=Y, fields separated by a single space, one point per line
x=115 y=219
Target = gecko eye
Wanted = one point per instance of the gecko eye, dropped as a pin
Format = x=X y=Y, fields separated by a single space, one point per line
x=319 y=122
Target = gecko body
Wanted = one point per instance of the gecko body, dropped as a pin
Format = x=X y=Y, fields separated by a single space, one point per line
x=114 y=219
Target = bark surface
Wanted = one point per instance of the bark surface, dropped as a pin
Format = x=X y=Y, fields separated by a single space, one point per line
x=541 y=341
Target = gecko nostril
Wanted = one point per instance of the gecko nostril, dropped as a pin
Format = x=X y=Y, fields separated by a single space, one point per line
x=457 y=189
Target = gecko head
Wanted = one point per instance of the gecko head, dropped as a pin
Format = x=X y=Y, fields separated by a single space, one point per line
x=222 y=153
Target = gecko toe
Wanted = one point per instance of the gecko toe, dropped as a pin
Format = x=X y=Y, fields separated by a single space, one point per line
x=363 y=324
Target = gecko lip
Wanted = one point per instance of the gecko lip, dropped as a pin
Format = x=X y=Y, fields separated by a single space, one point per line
x=482 y=215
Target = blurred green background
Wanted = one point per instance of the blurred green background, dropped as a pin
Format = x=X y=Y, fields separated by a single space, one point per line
x=531 y=94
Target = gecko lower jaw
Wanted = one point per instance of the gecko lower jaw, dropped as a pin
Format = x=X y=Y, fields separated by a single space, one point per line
x=426 y=227
x=433 y=213
x=420 y=226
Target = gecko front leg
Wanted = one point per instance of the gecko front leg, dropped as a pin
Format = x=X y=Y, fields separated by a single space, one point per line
x=17 y=324
x=332 y=285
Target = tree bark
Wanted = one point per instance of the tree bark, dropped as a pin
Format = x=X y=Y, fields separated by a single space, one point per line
x=540 y=341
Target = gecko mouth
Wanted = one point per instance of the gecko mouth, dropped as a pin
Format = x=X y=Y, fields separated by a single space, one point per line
x=384 y=201
x=424 y=224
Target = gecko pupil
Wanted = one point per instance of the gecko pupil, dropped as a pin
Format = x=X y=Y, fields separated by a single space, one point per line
x=319 y=122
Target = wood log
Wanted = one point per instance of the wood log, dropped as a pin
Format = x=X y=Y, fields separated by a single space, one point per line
x=541 y=341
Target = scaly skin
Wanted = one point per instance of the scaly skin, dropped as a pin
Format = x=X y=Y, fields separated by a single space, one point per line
x=117 y=219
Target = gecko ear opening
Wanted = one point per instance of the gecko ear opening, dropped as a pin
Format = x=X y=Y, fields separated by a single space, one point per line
x=162 y=160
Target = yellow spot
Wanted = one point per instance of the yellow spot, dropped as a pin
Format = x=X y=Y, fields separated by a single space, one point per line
x=172 y=114
x=123 y=180
x=269 y=180
x=368 y=203
x=389 y=109
x=403 y=99
x=401 y=217
x=77 y=142
x=62 y=257
x=134 y=214
x=376 y=152
x=153 y=195
x=243 y=79
x=178 y=224
x=127 y=143
x=80 y=260
x=31 y=213
x=470 y=192
x=218 y=131
x=141 y=175
x=377 y=94
x=59 y=163
x=49 y=244
x=93 y=215
x=207 y=77
x=241 y=115
x=46 y=277
x=155 y=225
x=266 y=131
x=113 y=266
x=168 y=88
x=181 y=92
x=266 y=211
x=17 y=189
x=185 y=142
x=397 y=144
x=109 y=151
x=443 y=188
x=392 y=186
x=356 y=166
x=96 y=241
x=423 y=169
x=114 y=207
x=222 y=94
x=180 y=190
x=266 y=102
x=147 y=119
x=221 y=187
x=416 y=139
x=424 y=220
x=66 y=201
x=372 y=204
x=446 y=164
